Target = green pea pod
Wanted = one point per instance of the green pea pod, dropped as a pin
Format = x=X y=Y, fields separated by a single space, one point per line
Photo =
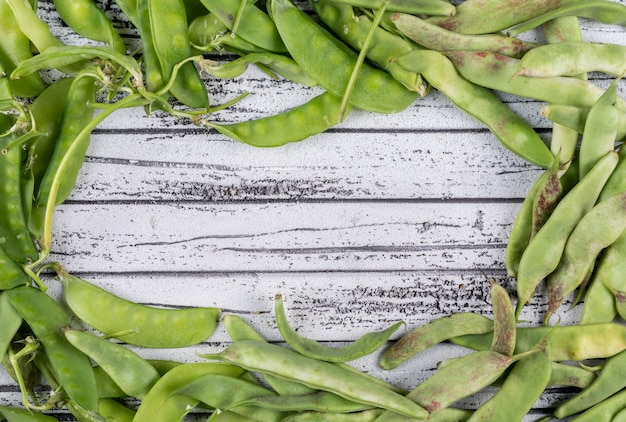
x=383 y=48
x=207 y=33
x=168 y=31
x=162 y=405
x=610 y=273
x=311 y=118
x=134 y=375
x=129 y=8
x=321 y=401
x=434 y=37
x=416 y=7
x=504 y=322
x=575 y=118
x=107 y=388
x=34 y=28
x=491 y=16
x=599 y=301
x=256 y=26
x=12 y=273
x=285 y=363
x=363 y=346
x=239 y=329
x=547 y=197
x=434 y=332
x=606 y=410
x=114 y=411
x=313 y=416
x=611 y=380
x=318 y=53
x=519 y=392
x=604 y=11
x=511 y=130
x=57 y=57
x=225 y=392
x=11 y=322
x=76 y=118
x=15 y=414
x=598 y=229
x=88 y=20
x=617 y=181
x=15 y=48
x=152 y=66
x=565 y=342
x=134 y=323
x=71 y=368
x=544 y=251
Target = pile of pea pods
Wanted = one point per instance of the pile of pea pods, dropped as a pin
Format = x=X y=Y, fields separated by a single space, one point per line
x=380 y=56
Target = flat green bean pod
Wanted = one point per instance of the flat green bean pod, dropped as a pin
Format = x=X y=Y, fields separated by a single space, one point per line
x=318 y=52
x=490 y=16
x=573 y=58
x=504 y=322
x=11 y=322
x=321 y=401
x=383 y=48
x=114 y=411
x=314 y=416
x=565 y=342
x=544 y=251
x=604 y=11
x=363 y=346
x=15 y=414
x=313 y=117
x=416 y=7
x=510 y=129
x=285 y=363
x=567 y=375
x=134 y=323
x=610 y=273
x=606 y=410
x=612 y=379
x=434 y=332
x=599 y=301
x=575 y=118
x=498 y=72
x=437 y=38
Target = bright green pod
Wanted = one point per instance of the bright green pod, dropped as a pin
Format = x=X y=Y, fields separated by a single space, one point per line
x=207 y=33
x=320 y=401
x=606 y=410
x=134 y=323
x=114 y=411
x=434 y=332
x=11 y=322
x=363 y=346
x=16 y=414
x=320 y=54
x=575 y=118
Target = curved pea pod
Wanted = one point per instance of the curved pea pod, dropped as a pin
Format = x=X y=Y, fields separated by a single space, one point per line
x=363 y=346
x=315 y=416
x=88 y=20
x=207 y=33
x=437 y=38
x=606 y=410
x=434 y=332
x=320 y=401
x=129 y=371
x=12 y=273
x=114 y=411
x=597 y=230
x=510 y=129
x=76 y=118
x=11 y=322
x=612 y=379
x=599 y=301
x=383 y=48
x=134 y=323
x=565 y=343
x=521 y=388
x=285 y=363
x=544 y=251
x=565 y=375
x=573 y=58
x=164 y=24
x=611 y=273
x=318 y=52
x=604 y=11
x=15 y=48
x=162 y=404
x=485 y=17
x=225 y=392
x=71 y=368
x=15 y=414
x=15 y=237
x=498 y=72
x=256 y=27
x=313 y=117
x=34 y=28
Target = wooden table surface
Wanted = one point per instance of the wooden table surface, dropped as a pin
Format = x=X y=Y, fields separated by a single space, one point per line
x=382 y=218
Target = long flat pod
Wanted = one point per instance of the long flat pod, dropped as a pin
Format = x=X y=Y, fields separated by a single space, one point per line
x=321 y=401
x=543 y=253
x=417 y=7
x=313 y=117
x=363 y=346
x=434 y=37
x=134 y=323
x=573 y=58
x=434 y=332
x=575 y=118
x=285 y=363
x=509 y=128
x=318 y=52
x=489 y=16
x=499 y=72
